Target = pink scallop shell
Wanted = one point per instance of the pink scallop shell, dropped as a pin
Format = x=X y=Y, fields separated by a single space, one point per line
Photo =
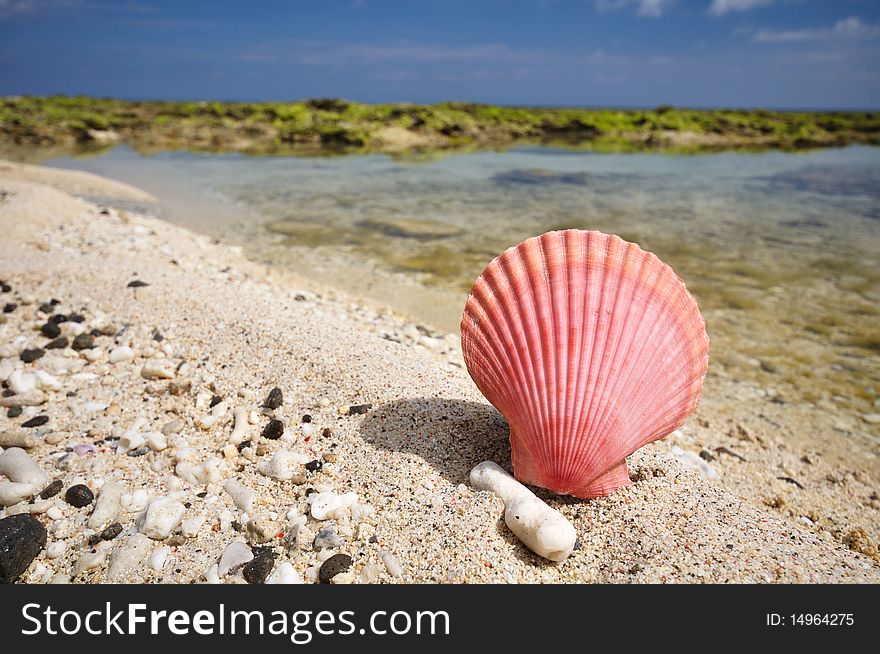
x=591 y=348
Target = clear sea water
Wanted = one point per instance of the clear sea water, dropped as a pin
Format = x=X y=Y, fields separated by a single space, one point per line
x=782 y=250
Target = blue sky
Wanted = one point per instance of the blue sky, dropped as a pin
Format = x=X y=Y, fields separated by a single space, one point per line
x=770 y=53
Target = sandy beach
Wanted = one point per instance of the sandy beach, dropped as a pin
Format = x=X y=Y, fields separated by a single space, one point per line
x=181 y=341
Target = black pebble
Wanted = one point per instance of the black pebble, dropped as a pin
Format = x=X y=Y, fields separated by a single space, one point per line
x=22 y=537
x=79 y=496
x=314 y=466
x=215 y=401
x=307 y=418
x=327 y=433
x=111 y=532
x=14 y=412
x=244 y=444
x=275 y=399
x=137 y=284
x=76 y=317
x=374 y=539
x=36 y=421
x=157 y=336
x=202 y=494
x=83 y=342
x=359 y=409
x=9 y=307
x=333 y=566
x=52 y=489
x=31 y=355
x=256 y=571
x=139 y=451
x=273 y=430
x=58 y=318
x=47 y=307
x=58 y=343
x=236 y=526
x=51 y=330
x=96 y=332
x=5 y=288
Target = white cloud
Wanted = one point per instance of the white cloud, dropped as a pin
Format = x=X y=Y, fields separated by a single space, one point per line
x=649 y=8
x=846 y=29
x=722 y=7
x=653 y=8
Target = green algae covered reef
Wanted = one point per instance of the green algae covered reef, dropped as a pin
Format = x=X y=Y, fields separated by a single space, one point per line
x=332 y=125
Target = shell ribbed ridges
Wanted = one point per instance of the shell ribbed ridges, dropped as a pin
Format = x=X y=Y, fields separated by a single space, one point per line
x=591 y=348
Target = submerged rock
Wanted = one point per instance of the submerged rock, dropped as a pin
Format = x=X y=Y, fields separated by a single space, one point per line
x=537 y=176
x=411 y=228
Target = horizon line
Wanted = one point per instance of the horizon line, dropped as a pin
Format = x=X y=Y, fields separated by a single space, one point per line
x=512 y=105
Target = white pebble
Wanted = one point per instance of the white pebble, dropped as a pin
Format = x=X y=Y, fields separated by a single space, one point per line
x=132 y=439
x=158 y=558
x=6 y=368
x=160 y=517
x=156 y=441
x=242 y=496
x=207 y=472
x=137 y=501
x=234 y=557
x=47 y=382
x=38 y=507
x=91 y=559
x=330 y=505
x=239 y=431
x=55 y=549
x=120 y=354
x=72 y=329
x=543 y=529
x=18 y=466
x=212 y=576
x=217 y=414
x=284 y=574
x=157 y=369
x=284 y=466
x=191 y=527
x=391 y=564
x=21 y=382
x=91 y=354
x=55 y=513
